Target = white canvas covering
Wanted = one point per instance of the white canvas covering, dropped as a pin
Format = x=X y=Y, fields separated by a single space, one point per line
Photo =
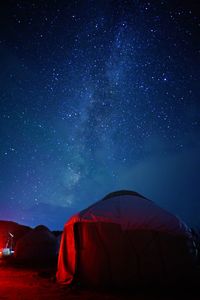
x=132 y=212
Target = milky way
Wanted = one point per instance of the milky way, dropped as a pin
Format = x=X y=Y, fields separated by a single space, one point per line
x=98 y=96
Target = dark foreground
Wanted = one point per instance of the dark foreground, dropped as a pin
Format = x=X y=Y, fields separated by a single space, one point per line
x=19 y=283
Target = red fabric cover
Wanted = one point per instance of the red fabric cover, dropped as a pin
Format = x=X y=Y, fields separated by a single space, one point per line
x=105 y=255
x=67 y=256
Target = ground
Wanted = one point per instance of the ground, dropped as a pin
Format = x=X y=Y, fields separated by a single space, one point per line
x=19 y=283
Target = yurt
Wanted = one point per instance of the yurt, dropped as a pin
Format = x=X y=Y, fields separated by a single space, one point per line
x=124 y=240
x=37 y=247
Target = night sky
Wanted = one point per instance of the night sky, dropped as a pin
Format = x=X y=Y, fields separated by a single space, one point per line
x=97 y=96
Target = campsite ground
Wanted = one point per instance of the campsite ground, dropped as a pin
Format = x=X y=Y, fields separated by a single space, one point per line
x=17 y=283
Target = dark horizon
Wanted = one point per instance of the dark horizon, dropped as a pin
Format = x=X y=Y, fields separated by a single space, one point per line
x=98 y=96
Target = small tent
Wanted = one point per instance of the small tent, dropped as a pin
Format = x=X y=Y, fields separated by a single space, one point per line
x=122 y=240
x=37 y=246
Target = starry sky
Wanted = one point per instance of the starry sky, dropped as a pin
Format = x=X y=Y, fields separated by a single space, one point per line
x=97 y=96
